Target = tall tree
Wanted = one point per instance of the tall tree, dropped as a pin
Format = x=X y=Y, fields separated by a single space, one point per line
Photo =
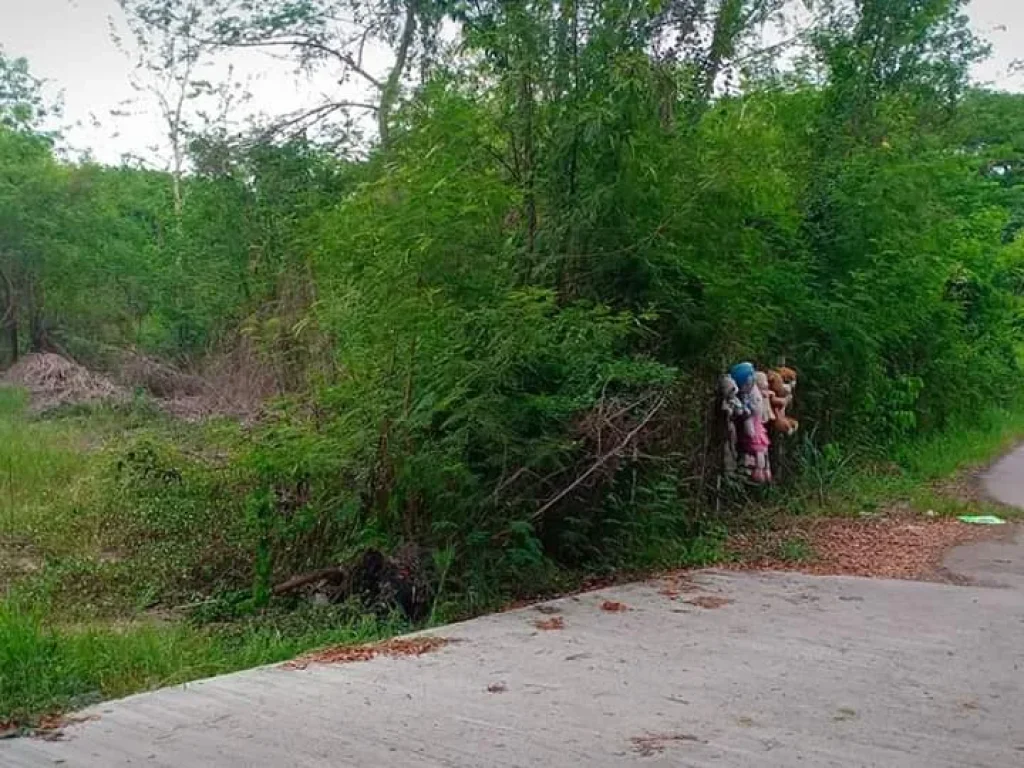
x=373 y=44
x=165 y=42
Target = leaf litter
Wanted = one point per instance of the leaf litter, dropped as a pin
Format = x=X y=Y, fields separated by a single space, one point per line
x=398 y=647
x=548 y=625
x=898 y=547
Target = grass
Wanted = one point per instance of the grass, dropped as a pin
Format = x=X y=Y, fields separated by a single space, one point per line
x=40 y=469
x=76 y=624
x=46 y=668
x=73 y=629
x=922 y=475
x=796 y=550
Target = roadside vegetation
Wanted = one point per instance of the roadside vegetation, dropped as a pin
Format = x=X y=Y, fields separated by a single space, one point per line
x=340 y=388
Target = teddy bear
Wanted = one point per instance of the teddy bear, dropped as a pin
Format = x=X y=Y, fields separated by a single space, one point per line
x=788 y=379
x=781 y=397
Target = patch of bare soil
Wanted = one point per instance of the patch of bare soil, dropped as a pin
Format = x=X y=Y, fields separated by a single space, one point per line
x=892 y=548
x=53 y=381
x=348 y=654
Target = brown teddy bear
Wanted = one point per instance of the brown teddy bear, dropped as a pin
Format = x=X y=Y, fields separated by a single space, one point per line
x=789 y=379
x=781 y=398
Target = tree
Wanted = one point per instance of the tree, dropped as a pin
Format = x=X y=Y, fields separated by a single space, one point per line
x=22 y=106
x=169 y=55
x=346 y=38
x=26 y=178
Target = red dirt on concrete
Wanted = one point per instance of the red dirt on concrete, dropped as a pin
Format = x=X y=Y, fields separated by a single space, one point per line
x=348 y=654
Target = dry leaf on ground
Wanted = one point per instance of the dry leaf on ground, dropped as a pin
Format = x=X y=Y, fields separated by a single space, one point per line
x=347 y=654
x=896 y=548
x=555 y=622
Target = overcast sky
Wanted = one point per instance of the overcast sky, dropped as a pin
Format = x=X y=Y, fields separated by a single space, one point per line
x=68 y=43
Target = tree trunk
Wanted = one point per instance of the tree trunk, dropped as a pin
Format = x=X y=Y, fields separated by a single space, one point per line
x=392 y=87
x=9 y=316
x=36 y=323
x=11 y=332
x=728 y=26
x=529 y=166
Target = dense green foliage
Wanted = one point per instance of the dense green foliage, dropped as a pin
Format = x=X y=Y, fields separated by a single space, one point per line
x=497 y=334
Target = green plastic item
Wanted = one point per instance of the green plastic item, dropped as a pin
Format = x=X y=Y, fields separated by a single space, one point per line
x=982 y=520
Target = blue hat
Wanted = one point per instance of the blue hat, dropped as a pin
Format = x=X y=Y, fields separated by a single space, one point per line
x=742 y=373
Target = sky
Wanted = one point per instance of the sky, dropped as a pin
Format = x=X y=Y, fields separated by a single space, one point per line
x=67 y=42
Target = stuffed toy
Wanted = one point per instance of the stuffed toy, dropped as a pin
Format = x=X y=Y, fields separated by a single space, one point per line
x=767 y=407
x=753 y=441
x=734 y=410
x=788 y=379
x=781 y=397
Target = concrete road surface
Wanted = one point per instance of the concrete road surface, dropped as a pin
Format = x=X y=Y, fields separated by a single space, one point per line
x=1005 y=481
x=791 y=671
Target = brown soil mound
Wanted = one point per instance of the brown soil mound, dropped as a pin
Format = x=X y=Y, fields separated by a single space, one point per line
x=53 y=381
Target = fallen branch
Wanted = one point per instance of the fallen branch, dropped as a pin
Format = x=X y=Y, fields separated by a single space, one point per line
x=301 y=580
x=617 y=450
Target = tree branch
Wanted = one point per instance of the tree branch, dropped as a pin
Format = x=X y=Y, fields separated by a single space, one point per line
x=342 y=56
x=315 y=113
x=618 y=449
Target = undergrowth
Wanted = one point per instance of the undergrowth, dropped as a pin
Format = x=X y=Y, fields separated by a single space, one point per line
x=111 y=599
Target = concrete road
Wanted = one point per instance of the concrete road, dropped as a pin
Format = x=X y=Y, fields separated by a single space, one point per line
x=1005 y=481
x=792 y=671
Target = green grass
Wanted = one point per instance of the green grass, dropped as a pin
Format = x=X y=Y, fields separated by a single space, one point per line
x=46 y=668
x=41 y=466
x=73 y=628
x=842 y=483
x=796 y=550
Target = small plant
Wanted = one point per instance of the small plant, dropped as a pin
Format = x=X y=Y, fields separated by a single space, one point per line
x=796 y=550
